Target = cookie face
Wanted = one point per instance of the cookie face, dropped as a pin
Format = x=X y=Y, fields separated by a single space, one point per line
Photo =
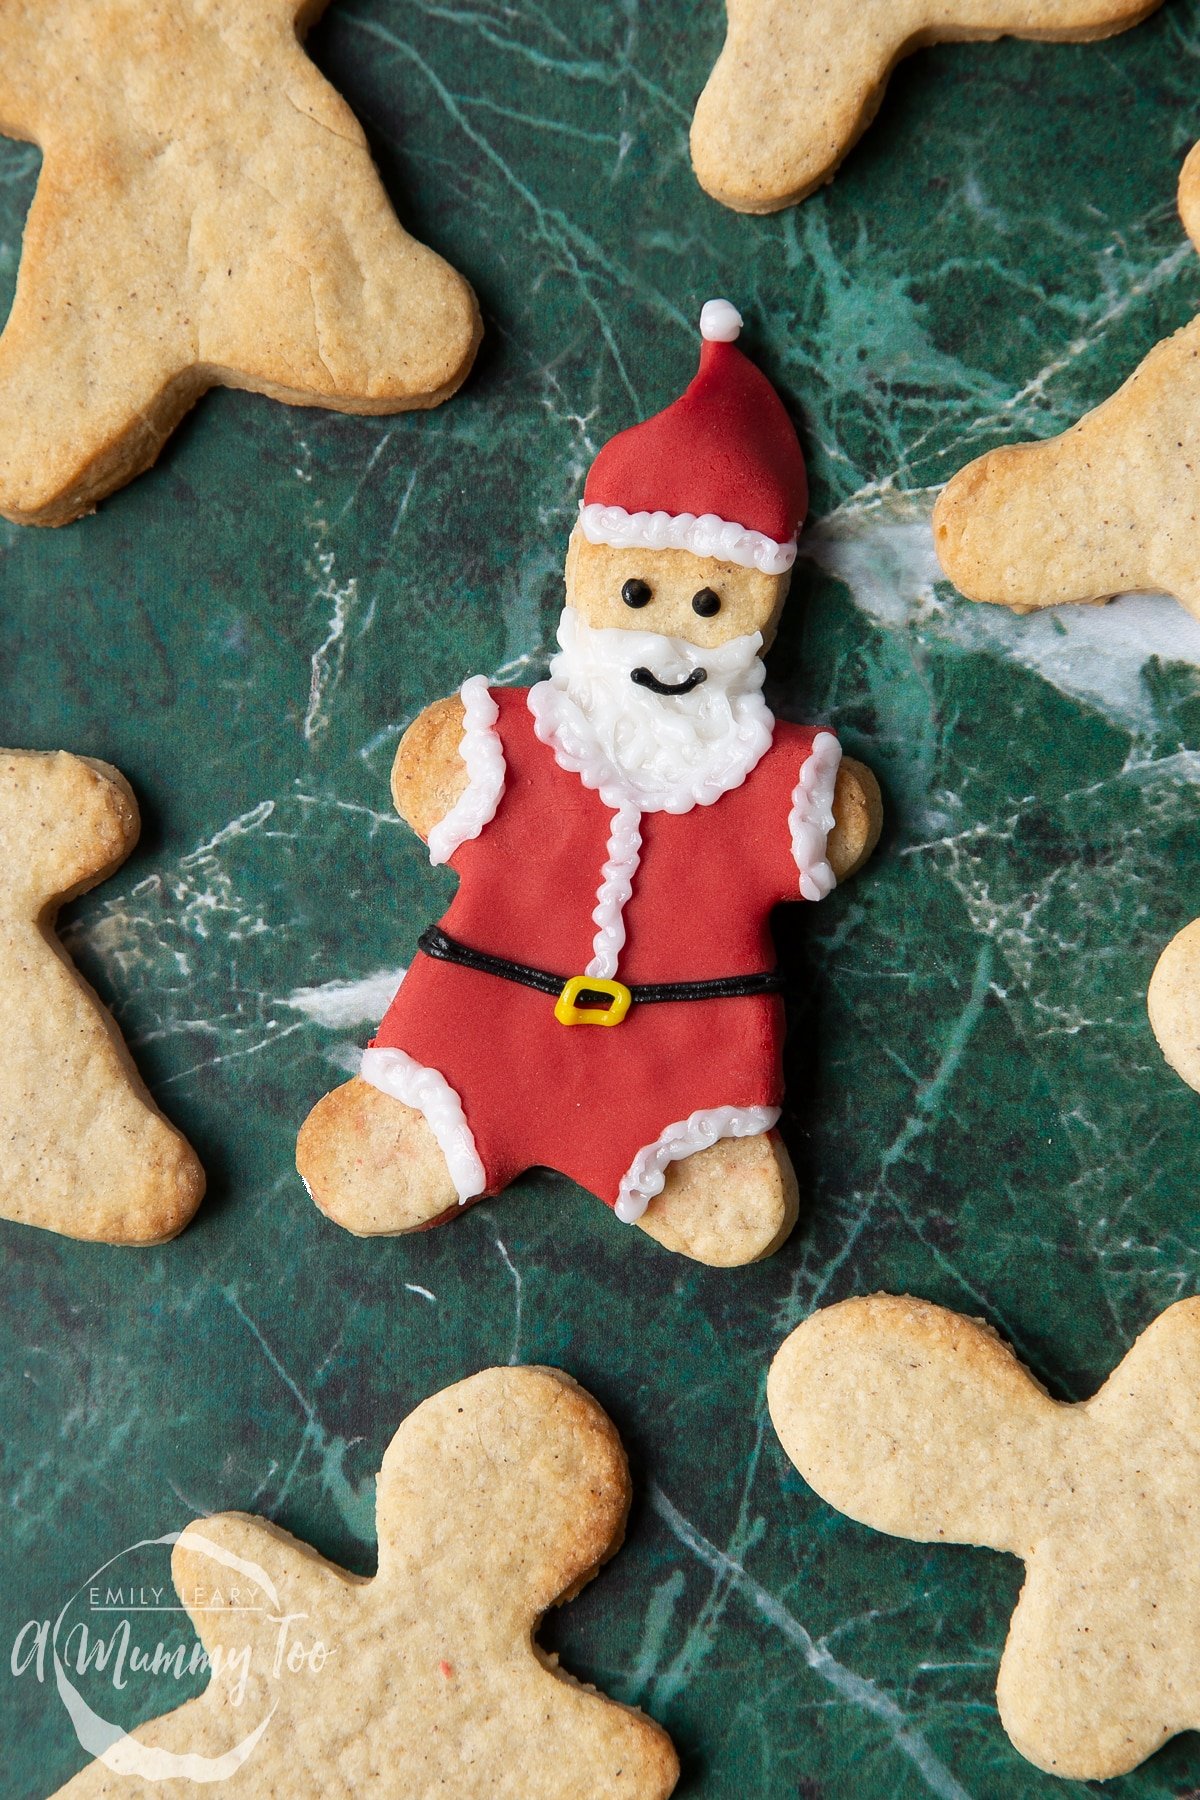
x=83 y=1149
x=678 y=594
x=227 y=229
x=497 y=1498
x=1108 y=507
x=921 y=1423
x=800 y=80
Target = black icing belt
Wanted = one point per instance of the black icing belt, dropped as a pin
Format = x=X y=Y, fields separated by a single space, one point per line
x=439 y=944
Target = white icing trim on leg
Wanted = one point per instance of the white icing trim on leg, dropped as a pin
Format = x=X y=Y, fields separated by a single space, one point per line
x=483 y=754
x=647 y=1174
x=616 y=885
x=811 y=818
x=394 y=1072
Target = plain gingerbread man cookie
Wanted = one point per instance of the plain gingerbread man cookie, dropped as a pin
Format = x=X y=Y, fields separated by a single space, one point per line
x=207 y=214
x=921 y=1423
x=1108 y=507
x=498 y=1498
x=799 y=81
x=83 y=1149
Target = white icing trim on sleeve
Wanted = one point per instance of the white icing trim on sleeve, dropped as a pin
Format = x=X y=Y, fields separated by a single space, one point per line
x=647 y=1175
x=811 y=818
x=616 y=886
x=483 y=754
x=394 y=1072
x=706 y=535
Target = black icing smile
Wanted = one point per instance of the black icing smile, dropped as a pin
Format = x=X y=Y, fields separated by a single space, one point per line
x=645 y=679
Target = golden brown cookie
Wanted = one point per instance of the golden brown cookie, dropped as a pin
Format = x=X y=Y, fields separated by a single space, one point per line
x=498 y=1498
x=1108 y=507
x=799 y=81
x=83 y=1149
x=921 y=1423
x=207 y=214
x=1173 y=1002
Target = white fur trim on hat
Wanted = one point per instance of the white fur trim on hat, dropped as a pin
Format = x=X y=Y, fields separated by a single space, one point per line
x=720 y=322
x=707 y=535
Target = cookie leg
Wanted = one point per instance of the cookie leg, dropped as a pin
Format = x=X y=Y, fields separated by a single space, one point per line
x=372 y=1164
x=733 y=1203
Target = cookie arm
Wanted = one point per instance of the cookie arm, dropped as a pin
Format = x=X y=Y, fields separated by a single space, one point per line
x=1106 y=507
x=67 y=822
x=790 y=93
x=916 y=1421
x=795 y=87
x=238 y=1575
x=251 y=1590
x=429 y=775
x=1085 y=1687
x=857 y=818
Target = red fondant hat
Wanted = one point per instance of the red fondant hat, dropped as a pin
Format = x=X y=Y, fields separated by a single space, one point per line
x=720 y=472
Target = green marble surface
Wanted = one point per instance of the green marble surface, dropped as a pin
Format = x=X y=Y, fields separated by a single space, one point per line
x=977 y=1108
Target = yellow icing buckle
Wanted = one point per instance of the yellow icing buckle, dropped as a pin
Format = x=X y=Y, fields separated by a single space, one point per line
x=568 y=1013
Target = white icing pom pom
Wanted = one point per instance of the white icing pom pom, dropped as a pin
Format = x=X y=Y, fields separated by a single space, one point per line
x=719 y=322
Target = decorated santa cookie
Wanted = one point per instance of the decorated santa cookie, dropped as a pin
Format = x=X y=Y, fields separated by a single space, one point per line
x=601 y=997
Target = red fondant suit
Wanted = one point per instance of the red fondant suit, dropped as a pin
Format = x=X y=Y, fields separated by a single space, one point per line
x=584 y=1099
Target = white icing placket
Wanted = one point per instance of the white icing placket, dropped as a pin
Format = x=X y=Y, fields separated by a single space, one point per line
x=616 y=886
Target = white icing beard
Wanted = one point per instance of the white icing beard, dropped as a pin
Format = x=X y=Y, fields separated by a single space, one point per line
x=665 y=752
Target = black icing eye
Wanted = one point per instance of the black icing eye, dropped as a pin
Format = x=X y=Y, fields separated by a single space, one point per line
x=706 y=603
x=635 y=592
